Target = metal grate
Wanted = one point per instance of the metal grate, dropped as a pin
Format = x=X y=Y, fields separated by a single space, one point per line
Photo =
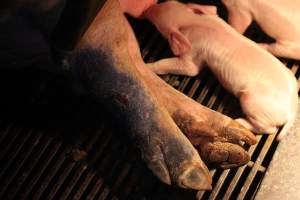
x=84 y=157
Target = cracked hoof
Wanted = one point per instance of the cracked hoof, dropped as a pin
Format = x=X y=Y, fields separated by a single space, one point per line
x=218 y=139
x=224 y=155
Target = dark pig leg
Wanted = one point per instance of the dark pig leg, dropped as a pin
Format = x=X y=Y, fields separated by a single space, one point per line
x=217 y=136
x=103 y=64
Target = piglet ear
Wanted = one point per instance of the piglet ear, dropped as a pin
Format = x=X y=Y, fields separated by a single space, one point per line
x=202 y=9
x=179 y=43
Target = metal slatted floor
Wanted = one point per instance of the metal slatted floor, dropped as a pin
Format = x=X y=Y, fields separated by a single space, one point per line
x=57 y=145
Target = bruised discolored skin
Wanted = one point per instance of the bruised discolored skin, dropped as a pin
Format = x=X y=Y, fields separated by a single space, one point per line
x=266 y=89
x=278 y=19
x=210 y=131
x=106 y=70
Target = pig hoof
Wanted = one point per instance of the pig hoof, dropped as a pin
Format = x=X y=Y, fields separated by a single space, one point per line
x=224 y=155
x=219 y=142
x=160 y=169
x=190 y=175
x=225 y=150
x=174 y=161
x=195 y=177
x=236 y=133
x=154 y=156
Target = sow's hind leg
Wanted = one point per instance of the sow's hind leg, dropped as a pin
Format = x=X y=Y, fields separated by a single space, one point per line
x=102 y=63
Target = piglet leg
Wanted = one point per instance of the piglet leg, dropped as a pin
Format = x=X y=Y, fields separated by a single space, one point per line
x=182 y=65
x=240 y=21
x=238 y=16
x=282 y=49
x=103 y=65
